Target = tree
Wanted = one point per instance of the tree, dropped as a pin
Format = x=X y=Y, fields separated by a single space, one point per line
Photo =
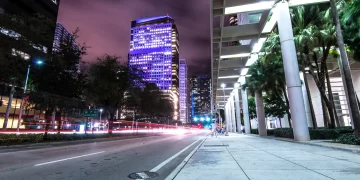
x=108 y=83
x=344 y=64
x=275 y=106
x=350 y=18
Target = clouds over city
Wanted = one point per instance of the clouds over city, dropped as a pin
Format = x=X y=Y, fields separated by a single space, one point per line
x=105 y=26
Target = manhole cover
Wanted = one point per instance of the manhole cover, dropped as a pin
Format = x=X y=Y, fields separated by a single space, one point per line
x=215 y=145
x=143 y=175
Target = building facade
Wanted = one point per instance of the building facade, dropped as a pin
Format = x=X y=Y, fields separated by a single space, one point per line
x=154 y=49
x=200 y=98
x=183 y=97
x=47 y=8
x=62 y=34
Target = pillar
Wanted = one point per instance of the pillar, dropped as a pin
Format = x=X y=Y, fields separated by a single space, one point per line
x=260 y=113
x=245 y=107
x=237 y=109
x=291 y=68
x=233 y=124
x=306 y=100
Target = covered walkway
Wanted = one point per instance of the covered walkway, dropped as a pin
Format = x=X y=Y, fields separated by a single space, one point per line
x=238 y=157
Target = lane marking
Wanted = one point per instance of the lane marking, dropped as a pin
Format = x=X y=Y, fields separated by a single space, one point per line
x=176 y=171
x=174 y=156
x=75 y=157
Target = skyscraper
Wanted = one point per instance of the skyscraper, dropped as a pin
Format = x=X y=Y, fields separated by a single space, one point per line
x=62 y=34
x=154 y=49
x=183 y=112
x=200 y=97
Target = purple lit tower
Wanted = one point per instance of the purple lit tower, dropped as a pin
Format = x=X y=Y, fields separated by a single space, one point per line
x=154 y=48
x=183 y=112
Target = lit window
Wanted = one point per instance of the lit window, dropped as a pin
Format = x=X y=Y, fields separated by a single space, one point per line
x=23 y=55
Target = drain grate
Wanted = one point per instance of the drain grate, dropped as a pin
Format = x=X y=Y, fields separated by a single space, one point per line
x=216 y=145
x=143 y=175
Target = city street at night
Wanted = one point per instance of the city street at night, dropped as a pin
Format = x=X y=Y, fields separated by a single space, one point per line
x=101 y=160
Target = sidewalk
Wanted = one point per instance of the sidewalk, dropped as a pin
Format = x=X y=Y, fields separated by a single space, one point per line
x=238 y=157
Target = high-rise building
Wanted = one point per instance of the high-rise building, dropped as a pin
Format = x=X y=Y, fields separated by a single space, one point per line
x=200 y=97
x=62 y=34
x=47 y=8
x=154 y=49
x=183 y=98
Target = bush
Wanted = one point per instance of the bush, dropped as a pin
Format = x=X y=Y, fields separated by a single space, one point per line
x=9 y=139
x=254 y=131
x=284 y=132
x=270 y=132
x=348 y=139
x=320 y=133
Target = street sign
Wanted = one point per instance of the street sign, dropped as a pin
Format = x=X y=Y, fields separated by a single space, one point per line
x=91 y=113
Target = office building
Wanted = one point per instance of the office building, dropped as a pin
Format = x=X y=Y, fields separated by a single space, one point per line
x=62 y=35
x=183 y=98
x=200 y=98
x=154 y=49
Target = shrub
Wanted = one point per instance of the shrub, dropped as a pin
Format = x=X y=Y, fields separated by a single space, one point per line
x=348 y=139
x=270 y=132
x=284 y=132
x=320 y=133
x=254 y=131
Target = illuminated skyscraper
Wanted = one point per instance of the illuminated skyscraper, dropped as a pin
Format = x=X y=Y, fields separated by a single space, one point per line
x=154 y=48
x=200 y=97
x=183 y=91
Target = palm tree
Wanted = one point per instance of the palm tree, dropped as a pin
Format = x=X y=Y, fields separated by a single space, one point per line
x=346 y=69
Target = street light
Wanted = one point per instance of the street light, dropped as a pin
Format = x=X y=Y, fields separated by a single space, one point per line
x=101 y=110
x=38 y=62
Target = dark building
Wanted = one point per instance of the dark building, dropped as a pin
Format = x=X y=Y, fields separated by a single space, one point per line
x=200 y=98
x=47 y=8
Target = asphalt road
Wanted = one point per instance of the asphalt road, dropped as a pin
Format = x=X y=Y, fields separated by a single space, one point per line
x=102 y=160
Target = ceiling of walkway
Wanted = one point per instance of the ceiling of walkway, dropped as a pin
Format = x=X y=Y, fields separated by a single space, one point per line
x=230 y=61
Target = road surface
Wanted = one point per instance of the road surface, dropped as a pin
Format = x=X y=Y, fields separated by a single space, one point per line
x=102 y=160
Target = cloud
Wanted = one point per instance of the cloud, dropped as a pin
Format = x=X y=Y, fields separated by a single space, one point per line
x=105 y=26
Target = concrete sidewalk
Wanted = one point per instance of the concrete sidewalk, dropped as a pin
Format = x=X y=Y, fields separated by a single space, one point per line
x=238 y=157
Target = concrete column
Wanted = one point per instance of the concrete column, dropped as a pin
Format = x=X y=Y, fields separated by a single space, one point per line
x=233 y=119
x=260 y=113
x=306 y=101
x=245 y=107
x=291 y=68
x=228 y=120
x=237 y=110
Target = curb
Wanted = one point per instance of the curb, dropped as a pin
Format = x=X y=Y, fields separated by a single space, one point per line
x=178 y=169
x=74 y=142
x=310 y=144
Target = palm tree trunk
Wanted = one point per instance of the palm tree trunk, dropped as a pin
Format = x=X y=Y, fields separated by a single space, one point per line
x=287 y=109
x=346 y=69
x=313 y=117
x=331 y=99
x=8 y=109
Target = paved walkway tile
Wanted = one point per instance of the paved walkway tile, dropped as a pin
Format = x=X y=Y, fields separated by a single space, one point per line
x=238 y=157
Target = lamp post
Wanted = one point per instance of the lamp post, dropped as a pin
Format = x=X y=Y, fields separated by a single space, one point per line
x=101 y=110
x=223 y=87
x=38 y=62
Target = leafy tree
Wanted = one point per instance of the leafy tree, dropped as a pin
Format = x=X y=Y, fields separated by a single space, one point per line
x=109 y=82
x=275 y=106
x=350 y=18
x=252 y=108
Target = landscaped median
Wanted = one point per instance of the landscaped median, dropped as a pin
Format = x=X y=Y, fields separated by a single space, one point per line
x=17 y=139
x=342 y=135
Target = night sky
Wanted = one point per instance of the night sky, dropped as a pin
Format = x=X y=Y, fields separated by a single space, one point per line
x=105 y=26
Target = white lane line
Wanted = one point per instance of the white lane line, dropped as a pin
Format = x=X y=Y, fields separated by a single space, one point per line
x=176 y=171
x=174 y=156
x=60 y=160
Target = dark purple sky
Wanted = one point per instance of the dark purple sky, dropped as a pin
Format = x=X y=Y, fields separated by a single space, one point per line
x=105 y=26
